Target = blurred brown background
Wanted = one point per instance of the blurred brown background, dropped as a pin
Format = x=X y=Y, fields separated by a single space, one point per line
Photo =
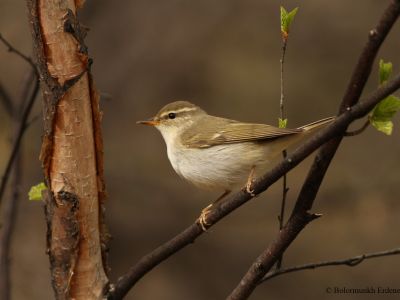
x=224 y=56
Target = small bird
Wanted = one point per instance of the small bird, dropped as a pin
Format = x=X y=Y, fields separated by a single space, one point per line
x=218 y=154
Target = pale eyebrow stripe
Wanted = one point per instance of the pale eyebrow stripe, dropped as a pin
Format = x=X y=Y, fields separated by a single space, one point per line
x=181 y=110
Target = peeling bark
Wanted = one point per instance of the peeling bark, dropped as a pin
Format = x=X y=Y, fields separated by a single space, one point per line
x=63 y=236
x=72 y=152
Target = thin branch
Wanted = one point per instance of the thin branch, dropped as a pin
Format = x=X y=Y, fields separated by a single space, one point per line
x=350 y=262
x=285 y=189
x=11 y=48
x=154 y=258
x=300 y=216
x=282 y=61
x=358 y=131
x=6 y=100
x=20 y=132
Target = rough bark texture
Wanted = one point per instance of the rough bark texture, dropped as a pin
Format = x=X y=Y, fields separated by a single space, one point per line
x=72 y=154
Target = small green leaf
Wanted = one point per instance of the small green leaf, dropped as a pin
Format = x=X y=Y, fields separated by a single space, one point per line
x=282 y=123
x=385 y=126
x=286 y=20
x=386 y=109
x=35 y=193
x=381 y=116
x=385 y=69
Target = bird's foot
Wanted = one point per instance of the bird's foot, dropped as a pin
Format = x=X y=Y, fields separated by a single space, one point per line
x=203 y=218
x=249 y=183
x=249 y=190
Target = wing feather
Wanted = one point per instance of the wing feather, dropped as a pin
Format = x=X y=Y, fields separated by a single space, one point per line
x=214 y=131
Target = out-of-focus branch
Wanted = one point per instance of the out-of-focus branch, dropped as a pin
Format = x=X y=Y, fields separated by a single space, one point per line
x=19 y=115
x=21 y=127
x=9 y=214
x=300 y=216
x=9 y=207
x=11 y=48
x=350 y=262
x=6 y=100
x=152 y=259
x=24 y=116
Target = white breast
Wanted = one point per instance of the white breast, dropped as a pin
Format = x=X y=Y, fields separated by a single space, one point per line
x=220 y=167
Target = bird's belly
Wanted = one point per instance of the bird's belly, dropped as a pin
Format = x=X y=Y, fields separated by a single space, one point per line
x=219 y=167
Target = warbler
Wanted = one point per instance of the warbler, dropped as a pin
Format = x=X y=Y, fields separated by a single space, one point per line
x=218 y=154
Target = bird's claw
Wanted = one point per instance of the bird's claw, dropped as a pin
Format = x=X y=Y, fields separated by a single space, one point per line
x=249 y=189
x=249 y=182
x=203 y=218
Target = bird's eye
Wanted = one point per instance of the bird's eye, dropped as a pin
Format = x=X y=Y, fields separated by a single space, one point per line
x=171 y=115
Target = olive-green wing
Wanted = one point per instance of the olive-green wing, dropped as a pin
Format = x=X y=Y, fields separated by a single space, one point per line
x=217 y=131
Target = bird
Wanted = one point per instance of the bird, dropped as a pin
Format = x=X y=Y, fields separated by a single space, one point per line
x=216 y=153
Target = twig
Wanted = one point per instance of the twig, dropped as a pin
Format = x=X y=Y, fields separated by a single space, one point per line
x=20 y=132
x=282 y=61
x=358 y=131
x=285 y=189
x=300 y=216
x=6 y=100
x=186 y=237
x=351 y=262
x=11 y=48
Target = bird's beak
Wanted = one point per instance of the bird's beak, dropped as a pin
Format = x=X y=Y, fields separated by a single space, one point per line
x=149 y=122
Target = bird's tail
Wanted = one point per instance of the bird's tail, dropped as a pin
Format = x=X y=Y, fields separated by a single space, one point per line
x=317 y=124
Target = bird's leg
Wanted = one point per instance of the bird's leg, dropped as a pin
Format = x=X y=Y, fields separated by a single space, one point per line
x=250 y=180
x=206 y=211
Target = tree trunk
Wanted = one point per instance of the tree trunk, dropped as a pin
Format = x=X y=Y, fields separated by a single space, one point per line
x=72 y=155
